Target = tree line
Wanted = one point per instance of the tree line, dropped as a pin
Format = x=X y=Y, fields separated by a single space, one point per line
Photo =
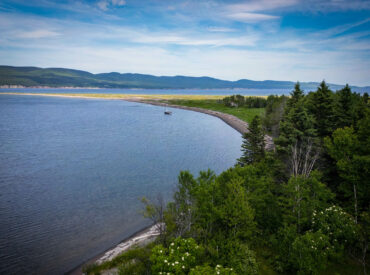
x=244 y=101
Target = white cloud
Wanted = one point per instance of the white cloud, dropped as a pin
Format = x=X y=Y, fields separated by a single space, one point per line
x=35 y=34
x=105 y=4
x=193 y=39
x=335 y=5
x=249 y=17
x=253 y=11
x=221 y=29
x=261 y=5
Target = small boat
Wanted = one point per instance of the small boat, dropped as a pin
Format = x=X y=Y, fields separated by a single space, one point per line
x=166 y=112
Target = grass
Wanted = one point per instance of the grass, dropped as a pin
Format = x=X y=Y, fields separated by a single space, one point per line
x=245 y=114
x=210 y=102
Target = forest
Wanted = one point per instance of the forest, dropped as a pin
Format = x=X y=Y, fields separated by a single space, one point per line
x=302 y=208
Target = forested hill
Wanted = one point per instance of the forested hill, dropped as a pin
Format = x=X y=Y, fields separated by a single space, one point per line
x=60 y=77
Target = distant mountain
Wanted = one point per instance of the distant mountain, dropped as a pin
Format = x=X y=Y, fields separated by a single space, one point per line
x=60 y=77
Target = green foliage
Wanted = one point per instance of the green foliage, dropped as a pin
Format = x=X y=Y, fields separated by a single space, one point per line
x=241 y=258
x=302 y=196
x=207 y=270
x=178 y=258
x=253 y=147
x=351 y=154
x=338 y=226
x=295 y=96
x=310 y=252
x=274 y=113
x=297 y=124
x=344 y=107
x=258 y=181
x=321 y=106
x=246 y=102
x=282 y=243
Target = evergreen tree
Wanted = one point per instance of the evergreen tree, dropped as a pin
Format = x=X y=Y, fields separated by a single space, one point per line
x=344 y=107
x=295 y=96
x=253 y=146
x=321 y=107
x=297 y=125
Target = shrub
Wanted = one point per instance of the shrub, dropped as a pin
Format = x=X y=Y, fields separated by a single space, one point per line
x=178 y=258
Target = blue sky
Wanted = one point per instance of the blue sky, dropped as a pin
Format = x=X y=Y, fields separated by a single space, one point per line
x=306 y=40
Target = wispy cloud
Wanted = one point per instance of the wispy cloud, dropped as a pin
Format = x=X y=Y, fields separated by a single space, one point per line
x=106 y=4
x=221 y=29
x=249 y=17
x=260 y=5
x=40 y=33
x=335 y=5
x=255 y=11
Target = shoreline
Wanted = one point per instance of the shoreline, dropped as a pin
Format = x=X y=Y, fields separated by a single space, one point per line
x=234 y=122
x=139 y=238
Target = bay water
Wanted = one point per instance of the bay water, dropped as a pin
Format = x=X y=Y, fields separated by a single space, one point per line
x=72 y=172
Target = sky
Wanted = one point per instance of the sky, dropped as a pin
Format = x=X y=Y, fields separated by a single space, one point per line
x=296 y=40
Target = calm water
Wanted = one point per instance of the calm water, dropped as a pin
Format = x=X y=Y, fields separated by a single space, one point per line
x=72 y=171
x=250 y=92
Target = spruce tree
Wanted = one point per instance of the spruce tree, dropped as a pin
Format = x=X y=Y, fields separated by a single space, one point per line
x=321 y=107
x=253 y=146
x=297 y=124
x=295 y=96
x=344 y=107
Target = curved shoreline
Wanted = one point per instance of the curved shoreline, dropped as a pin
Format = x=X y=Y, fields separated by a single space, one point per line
x=234 y=122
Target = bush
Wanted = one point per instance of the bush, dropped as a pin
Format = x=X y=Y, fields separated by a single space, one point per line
x=339 y=226
x=207 y=270
x=178 y=258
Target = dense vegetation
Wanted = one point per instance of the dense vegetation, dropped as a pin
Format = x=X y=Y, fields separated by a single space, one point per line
x=301 y=209
x=60 y=77
x=242 y=101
